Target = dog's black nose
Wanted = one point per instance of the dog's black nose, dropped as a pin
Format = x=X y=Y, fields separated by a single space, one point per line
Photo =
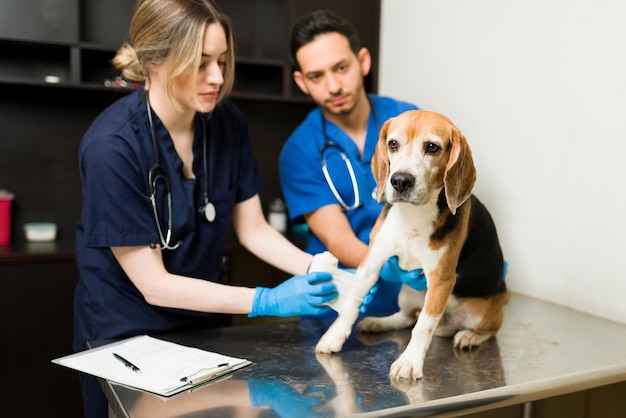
x=402 y=181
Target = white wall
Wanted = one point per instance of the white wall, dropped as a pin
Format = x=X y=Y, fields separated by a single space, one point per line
x=538 y=87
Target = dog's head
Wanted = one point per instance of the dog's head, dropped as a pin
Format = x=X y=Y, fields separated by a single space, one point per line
x=418 y=153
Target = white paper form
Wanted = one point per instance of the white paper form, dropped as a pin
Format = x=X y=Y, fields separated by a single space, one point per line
x=164 y=367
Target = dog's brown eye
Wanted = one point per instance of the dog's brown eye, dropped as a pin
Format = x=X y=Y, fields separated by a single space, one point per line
x=432 y=148
x=392 y=145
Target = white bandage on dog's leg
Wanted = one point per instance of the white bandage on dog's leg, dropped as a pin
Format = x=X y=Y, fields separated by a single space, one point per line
x=344 y=303
x=322 y=261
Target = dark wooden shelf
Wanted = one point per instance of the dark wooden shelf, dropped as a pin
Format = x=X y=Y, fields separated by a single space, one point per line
x=93 y=46
x=29 y=58
x=22 y=252
x=270 y=98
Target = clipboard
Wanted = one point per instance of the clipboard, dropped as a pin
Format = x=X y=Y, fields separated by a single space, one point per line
x=153 y=365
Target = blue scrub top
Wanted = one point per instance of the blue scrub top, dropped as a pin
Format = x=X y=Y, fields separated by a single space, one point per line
x=305 y=188
x=115 y=157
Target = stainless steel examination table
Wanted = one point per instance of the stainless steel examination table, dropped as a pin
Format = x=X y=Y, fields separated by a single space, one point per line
x=542 y=350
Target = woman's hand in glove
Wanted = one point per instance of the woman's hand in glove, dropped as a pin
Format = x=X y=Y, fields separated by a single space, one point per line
x=299 y=295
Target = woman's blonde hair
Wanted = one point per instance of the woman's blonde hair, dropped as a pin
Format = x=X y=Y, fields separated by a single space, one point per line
x=172 y=31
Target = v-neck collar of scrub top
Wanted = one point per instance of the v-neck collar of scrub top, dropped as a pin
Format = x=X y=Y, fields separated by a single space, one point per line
x=168 y=152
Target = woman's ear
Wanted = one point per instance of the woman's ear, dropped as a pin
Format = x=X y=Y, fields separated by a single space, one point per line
x=460 y=174
x=380 y=162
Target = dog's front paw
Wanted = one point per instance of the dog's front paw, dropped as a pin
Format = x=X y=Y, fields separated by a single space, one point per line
x=333 y=339
x=467 y=339
x=406 y=368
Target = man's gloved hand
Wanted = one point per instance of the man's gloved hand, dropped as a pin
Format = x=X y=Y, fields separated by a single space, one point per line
x=392 y=272
x=416 y=279
x=299 y=295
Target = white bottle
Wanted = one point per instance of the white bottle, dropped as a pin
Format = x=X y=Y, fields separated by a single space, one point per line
x=277 y=216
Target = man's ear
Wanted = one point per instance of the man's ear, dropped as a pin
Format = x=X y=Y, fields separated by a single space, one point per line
x=365 y=60
x=299 y=79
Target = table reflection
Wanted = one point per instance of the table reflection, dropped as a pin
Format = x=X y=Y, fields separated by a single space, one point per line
x=287 y=375
x=542 y=350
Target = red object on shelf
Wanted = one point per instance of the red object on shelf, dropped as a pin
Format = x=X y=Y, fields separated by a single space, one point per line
x=6 y=199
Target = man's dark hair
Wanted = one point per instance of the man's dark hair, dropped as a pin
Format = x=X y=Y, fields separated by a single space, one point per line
x=317 y=23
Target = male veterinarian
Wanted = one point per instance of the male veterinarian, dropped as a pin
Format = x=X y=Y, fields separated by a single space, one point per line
x=325 y=169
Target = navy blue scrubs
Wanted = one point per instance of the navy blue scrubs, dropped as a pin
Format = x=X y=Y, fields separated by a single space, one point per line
x=115 y=157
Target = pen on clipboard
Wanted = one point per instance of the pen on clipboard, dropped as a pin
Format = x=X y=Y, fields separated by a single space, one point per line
x=127 y=363
x=211 y=374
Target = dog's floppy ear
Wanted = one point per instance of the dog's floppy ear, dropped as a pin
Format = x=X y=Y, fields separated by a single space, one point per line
x=380 y=162
x=460 y=174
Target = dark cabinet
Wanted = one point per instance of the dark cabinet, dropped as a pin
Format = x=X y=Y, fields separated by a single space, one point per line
x=36 y=307
x=70 y=43
x=62 y=42
x=47 y=21
x=104 y=23
x=54 y=65
x=31 y=62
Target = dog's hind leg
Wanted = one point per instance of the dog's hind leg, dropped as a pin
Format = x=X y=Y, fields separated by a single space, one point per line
x=394 y=321
x=487 y=314
x=467 y=338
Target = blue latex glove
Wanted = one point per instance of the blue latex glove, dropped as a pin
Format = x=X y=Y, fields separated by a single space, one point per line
x=416 y=279
x=281 y=398
x=392 y=272
x=368 y=298
x=299 y=295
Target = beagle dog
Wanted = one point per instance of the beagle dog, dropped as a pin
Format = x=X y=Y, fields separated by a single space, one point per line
x=425 y=173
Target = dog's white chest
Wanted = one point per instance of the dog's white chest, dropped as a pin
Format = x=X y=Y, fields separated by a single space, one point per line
x=406 y=233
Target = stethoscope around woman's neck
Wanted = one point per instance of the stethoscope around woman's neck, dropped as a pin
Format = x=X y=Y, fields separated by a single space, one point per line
x=344 y=156
x=157 y=174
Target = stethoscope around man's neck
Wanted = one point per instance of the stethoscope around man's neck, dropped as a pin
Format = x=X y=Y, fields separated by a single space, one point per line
x=344 y=156
x=157 y=173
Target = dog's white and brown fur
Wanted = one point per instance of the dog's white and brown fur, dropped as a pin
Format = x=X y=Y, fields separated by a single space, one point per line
x=425 y=174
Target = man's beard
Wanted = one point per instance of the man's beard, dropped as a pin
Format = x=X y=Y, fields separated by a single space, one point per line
x=341 y=110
